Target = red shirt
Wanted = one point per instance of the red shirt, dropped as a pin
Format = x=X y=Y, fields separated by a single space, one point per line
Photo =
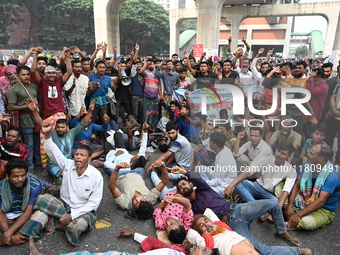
x=52 y=97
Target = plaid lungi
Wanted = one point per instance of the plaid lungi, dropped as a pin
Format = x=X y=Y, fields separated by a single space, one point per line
x=56 y=208
x=43 y=154
x=34 y=226
x=150 y=104
x=165 y=113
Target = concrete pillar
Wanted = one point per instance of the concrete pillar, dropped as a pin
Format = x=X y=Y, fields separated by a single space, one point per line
x=235 y=28
x=174 y=33
x=331 y=33
x=106 y=22
x=285 y=52
x=336 y=45
x=208 y=22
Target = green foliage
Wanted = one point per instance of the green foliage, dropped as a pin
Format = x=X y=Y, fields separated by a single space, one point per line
x=61 y=22
x=190 y=24
x=302 y=50
x=9 y=14
x=146 y=23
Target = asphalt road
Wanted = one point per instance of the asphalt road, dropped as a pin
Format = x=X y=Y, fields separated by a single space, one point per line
x=111 y=219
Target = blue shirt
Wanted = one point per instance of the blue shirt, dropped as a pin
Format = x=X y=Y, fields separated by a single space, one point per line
x=105 y=84
x=169 y=80
x=186 y=129
x=331 y=185
x=35 y=190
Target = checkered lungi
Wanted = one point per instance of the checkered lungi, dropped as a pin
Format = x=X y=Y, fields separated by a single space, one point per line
x=164 y=112
x=56 y=208
x=34 y=226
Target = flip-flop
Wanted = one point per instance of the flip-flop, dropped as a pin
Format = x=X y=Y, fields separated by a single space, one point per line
x=289 y=240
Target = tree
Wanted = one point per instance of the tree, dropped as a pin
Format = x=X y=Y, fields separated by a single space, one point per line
x=146 y=23
x=302 y=50
x=9 y=14
x=190 y=24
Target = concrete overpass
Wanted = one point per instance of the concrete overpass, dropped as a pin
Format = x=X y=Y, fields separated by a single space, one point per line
x=209 y=13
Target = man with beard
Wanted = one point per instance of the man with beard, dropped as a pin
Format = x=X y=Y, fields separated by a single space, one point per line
x=203 y=77
x=76 y=88
x=85 y=66
x=227 y=76
x=331 y=82
x=40 y=64
x=180 y=150
x=17 y=102
x=272 y=170
x=80 y=193
x=237 y=216
x=152 y=89
x=18 y=194
x=299 y=75
x=50 y=87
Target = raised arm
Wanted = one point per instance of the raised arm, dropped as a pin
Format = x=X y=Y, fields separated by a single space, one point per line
x=192 y=71
x=113 y=179
x=34 y=72
x=26 y=57
x=94 y=55
x=246 y=44
x=68 y=73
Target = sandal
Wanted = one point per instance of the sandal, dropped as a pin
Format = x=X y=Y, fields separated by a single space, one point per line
x=289 y=240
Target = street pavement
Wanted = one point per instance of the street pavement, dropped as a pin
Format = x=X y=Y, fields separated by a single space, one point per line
x=111 y=219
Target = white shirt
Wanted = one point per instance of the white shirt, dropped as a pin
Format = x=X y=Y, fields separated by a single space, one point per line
x=111 y=160
x=272 y=174
x=77 y=97
x=262 y=150
x=225 y=170
x=82 y=193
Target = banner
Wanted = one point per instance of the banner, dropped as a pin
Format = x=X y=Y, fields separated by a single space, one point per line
x=198 y=50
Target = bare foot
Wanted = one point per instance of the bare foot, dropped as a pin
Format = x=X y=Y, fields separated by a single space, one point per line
x=148 y=157
x=306 y=251
x=33 y=248
x=291 y=229
x=97 y=163
x=59 y=226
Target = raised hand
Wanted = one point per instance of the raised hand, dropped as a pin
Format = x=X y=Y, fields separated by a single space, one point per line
x=240 y=135
x=244 y=40
x=229 y=39
x=270 y=52
x=260 y=51
x=48 y=126
x=92 y=105
x=137 y=47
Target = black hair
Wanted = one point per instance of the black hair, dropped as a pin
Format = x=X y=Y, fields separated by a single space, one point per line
x=286 y=146
x=16 y=129
x=163 y=147
x=326 y=65
x=53 y=62
x=114 y=71
x=22 y=67
x=144 y=210
x=227 y=61
x=222 y=112
x=258 y=129
x=321 y=127
x=140 y=162
x=176 y=62
x=62 y=121
x=319 y=70
x=42 y=58
x=177 y=236
x=182 y=70
x=215 y=251
x=158 y=60
x=13 y=61
x=85 y=59
x=289 y=64
x=204 y=62
x=183 y=178
x=175 y=103
x=150 y=60
x=217 y=138
x=169 y=61
x=270 y=83
x=265 y=63
x=301 y=63
x=227 y=126
x=16 y=163
x=201 y=116
x=325 y=151
x=75 y=61
x=171 y=125
x=85 y=147
x=175 y=54
x=100 y=62
x=247 y=59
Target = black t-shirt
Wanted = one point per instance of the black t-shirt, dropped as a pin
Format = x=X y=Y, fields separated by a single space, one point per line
x=230 y=79
x=203 y=80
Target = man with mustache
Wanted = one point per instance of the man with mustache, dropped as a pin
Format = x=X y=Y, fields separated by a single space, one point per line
x=17 y=216
x=237 y=216
x=80 y=193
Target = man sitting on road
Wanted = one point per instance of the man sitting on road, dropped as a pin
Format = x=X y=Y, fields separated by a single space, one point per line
x=314 y=198
x=17 y=195
x=80 y=193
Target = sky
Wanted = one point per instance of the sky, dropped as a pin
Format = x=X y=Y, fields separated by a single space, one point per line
x=310 y=23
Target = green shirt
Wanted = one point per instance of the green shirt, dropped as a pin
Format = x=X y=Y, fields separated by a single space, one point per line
x=18 y=95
